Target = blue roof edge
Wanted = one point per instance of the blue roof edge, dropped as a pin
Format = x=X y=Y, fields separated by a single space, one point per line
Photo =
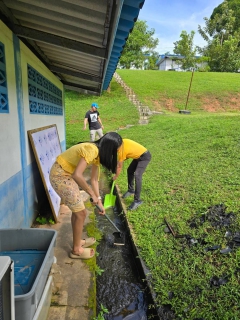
x=127 y=16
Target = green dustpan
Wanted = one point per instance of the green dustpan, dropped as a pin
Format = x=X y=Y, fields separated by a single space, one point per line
x=110 y=198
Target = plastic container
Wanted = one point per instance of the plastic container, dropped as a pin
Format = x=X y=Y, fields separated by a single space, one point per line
x=26 y=267
x=7 y=305
x=31 y=250
x=44 y=304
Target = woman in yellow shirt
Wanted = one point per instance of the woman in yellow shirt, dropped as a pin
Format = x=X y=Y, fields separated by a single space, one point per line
x=141 y=157
x=66 y=176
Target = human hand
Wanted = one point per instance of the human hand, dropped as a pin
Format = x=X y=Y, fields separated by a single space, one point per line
x=99 y=206
x=94 y=200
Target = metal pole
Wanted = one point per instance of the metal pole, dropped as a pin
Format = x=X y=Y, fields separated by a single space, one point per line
x=189 y=89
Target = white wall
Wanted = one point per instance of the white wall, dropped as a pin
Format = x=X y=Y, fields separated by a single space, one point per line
x=21 y=187
x=167 y=64
x=33 y=121
x=9 y=138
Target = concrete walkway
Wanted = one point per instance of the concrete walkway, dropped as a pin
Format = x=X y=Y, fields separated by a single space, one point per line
x=73 y=282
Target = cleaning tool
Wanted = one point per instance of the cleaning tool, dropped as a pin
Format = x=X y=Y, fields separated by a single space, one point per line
x=110 y=198
x=117 y=234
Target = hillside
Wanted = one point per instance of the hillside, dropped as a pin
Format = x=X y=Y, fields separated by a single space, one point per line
x=165 y=90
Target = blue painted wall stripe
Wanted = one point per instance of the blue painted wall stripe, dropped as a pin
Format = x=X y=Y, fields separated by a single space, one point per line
x=20 y=108
x=12 y=202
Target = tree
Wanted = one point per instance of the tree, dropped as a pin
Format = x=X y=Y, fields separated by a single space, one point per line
x=224 y=57
x=186 y=49
x=139 y=44
x=234 y=5
x=223 y=39
x=150 y=63
x=220 y=27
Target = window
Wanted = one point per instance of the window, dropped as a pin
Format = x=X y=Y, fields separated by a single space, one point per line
x=4 y=108
x=44 y=97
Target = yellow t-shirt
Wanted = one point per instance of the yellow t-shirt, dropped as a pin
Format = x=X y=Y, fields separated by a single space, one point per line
x=69 y=159
x=130 y=149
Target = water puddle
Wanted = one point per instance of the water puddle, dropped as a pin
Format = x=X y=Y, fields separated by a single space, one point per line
x=120 y=288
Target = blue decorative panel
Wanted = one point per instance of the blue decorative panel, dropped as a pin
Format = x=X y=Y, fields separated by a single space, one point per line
x=44 y=97
x=3 y=82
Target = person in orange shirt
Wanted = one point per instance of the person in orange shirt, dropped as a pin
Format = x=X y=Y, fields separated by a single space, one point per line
x=141 y=158
x=67 y=175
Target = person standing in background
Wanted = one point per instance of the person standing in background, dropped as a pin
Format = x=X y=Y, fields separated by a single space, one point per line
x=94 y=122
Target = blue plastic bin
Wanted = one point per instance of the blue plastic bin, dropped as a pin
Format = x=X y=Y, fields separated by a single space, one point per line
x=27 y=264
x=32 y=251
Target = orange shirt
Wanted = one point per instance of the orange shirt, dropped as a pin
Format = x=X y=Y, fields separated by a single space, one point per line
x=69 y=159
x=130 y=149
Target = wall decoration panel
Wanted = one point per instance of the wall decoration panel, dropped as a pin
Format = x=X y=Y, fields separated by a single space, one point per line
x=46 y=147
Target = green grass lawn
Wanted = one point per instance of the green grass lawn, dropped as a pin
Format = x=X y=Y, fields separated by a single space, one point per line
x=195 y=166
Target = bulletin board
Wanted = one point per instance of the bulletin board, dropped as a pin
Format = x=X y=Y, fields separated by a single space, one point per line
x=46 y=147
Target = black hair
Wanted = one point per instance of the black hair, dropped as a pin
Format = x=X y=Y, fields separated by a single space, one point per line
x=108 y=146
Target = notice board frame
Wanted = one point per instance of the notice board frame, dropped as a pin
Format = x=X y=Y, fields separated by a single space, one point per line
x=46 y=147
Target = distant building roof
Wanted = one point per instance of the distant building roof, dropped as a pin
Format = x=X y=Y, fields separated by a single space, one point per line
x=170 y=56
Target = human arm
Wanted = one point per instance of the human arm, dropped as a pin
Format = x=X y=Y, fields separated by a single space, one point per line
x=85 y=123
x=100 y=121
x=119 y=169
x=95 y=187
x=80 y=180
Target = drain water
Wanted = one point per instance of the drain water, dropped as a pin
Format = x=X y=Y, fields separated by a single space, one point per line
x=120 y=288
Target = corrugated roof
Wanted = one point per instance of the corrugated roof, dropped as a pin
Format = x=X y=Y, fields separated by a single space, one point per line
x=80 y=41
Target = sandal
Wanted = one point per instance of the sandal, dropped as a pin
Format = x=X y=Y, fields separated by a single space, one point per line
x=88 y=242
x=86 y=254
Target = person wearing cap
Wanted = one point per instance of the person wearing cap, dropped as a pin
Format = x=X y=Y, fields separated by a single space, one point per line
x=140 y=159
x=94 y=122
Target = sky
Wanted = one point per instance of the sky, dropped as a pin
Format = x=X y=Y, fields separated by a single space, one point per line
x=170 y=18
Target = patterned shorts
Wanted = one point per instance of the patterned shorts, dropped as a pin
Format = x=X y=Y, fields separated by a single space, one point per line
x=67 y=189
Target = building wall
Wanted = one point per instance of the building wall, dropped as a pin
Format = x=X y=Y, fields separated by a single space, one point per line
x=167 y=64
x=21 y=189
x=162 y=65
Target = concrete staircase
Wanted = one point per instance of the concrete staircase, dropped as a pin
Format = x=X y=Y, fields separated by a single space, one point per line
x=144 y=111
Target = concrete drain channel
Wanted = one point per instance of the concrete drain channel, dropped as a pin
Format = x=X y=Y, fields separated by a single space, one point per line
x=121 y=288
